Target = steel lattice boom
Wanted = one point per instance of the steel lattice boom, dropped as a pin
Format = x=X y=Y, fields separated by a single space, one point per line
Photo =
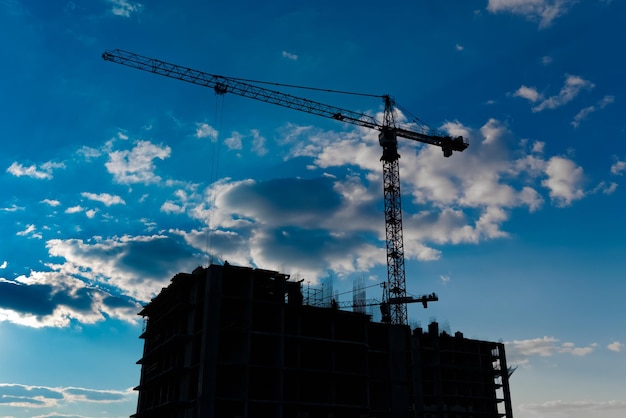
x=397 y=298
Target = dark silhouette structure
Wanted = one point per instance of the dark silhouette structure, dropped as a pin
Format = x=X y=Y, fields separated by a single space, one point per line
x=459 y=377
x=236 y=342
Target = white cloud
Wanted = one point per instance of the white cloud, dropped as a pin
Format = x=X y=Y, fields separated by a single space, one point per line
x=564 y=181
x=543 y=11
x=615 y=346
x=43 y=172
x=4 y=265
x=258 y=143
x=136 y=165
x=546 y=60
x=51 y=202
x=184 y=201
x=580 y=116
x=125 y=8
x=572 y=87
x=105 y=198
x=290 y=56
x=577 y=351
x=234 y=141
x=459 y=47
x=493 y=131
x=520 y=352
x=89 y=153
x=74 y=209
x=29 y=230
x=171 y=207
x=445 y=279
x=528 y=93
x=456 y=128
x=618 y=168
x=204 y=130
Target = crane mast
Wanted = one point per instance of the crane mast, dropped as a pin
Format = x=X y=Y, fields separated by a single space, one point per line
x=397 y=298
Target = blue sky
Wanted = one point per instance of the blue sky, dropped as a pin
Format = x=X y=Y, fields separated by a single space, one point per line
x=112 y=177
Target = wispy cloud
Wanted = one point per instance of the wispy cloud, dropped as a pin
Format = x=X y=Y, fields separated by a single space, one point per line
x=28 y=396
x=30 y=231
x=14 y=7
x=618 y=168
x=89 y=153
x=542 y=11
x=290 y=56
x=41 y=172
x=105 y=198
x=12 y=208
x=125 y=8
x=258 y=143
x=571 y=88
x=234 y=141
x=520 y=352
x=582 y=115
x=605 y=188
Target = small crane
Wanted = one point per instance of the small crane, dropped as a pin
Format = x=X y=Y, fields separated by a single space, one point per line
x=388 y=139
x=385 y=307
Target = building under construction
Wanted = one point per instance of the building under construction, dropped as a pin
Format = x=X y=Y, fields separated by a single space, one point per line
x=235 y=342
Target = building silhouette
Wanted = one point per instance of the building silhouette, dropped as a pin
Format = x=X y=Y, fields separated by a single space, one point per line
x=237 y=342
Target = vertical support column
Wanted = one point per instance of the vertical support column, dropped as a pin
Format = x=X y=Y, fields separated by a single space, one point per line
x=393 y=227
x=506 y=390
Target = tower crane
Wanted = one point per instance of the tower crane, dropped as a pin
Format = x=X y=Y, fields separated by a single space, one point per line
x=388 y=139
